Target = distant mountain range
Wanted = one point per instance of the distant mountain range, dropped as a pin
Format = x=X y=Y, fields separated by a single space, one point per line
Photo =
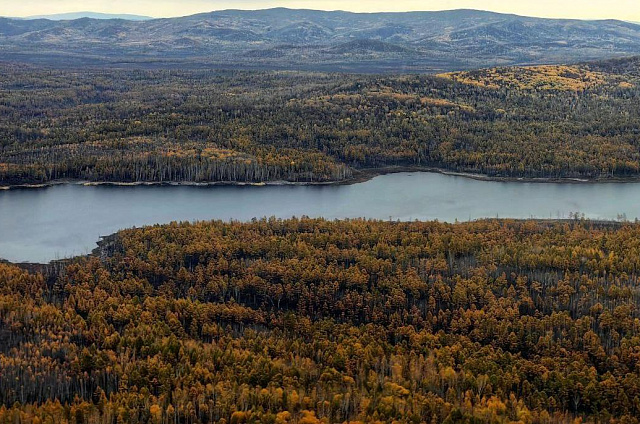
x=91 y=15
x=307 y=39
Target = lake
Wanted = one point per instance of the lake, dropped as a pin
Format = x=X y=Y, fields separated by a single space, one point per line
x=40 y=225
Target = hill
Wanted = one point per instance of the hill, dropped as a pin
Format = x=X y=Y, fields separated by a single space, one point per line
x=308 y=39
x=91 y=15
x=542 y=122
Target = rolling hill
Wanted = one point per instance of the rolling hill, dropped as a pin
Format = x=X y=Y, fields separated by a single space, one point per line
x=545 y=122
x=307 y=39
x=92 y=15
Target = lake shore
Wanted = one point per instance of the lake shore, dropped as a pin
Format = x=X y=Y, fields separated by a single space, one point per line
x=105 y=243
x=359 y=176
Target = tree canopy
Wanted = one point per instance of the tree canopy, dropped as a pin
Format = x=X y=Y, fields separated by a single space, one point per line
x=308 y=320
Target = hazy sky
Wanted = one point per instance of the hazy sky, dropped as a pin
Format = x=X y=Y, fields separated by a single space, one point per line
x=585 y=9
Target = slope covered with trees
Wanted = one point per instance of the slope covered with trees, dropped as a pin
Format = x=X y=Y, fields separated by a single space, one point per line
x=308 y=321
x=203 y=126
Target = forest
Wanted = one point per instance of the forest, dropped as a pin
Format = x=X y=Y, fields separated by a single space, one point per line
x=573 y=121
x=315 y=321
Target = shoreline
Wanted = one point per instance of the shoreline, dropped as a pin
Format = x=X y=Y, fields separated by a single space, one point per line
x=104 y=243
x=359 y=176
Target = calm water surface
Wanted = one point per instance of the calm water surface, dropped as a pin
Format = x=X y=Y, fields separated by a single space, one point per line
x=39 y=225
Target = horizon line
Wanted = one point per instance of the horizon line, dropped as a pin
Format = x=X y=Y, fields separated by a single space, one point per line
x=44 y=16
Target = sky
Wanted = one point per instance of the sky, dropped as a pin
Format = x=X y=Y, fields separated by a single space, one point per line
x=628 y=10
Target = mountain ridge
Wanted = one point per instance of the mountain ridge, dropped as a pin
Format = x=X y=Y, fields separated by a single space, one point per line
x=70 y=16
x=319 y=40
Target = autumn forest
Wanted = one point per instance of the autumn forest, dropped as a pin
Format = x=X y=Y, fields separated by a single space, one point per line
x=310 y=320
x=307 y=321
x=556 y=122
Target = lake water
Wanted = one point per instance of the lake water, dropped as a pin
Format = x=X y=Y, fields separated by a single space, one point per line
x=39 y=225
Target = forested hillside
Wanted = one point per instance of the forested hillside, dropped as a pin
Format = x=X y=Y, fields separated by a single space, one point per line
x=307 y=321
x=206 y=126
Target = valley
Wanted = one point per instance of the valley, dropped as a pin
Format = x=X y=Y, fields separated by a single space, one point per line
x=291 y=216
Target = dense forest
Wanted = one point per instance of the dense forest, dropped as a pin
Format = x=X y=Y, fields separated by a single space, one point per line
x=308 y=321
x=577 y=121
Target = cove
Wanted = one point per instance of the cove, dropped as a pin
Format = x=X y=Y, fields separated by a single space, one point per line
x=40 y=225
